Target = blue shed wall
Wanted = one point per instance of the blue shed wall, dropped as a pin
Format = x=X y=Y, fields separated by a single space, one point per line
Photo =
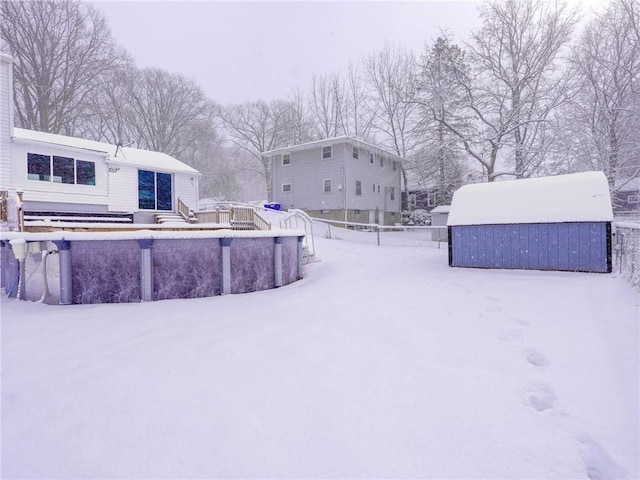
x=576 y=247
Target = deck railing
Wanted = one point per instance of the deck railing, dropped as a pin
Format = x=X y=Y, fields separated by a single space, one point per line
x=4 y=205
x=246 y=218
x=237 y=217
x=184 y=210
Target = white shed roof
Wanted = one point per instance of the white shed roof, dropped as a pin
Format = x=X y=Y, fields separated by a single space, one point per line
x=442 y=209
x=577 y=197
x=126 y=155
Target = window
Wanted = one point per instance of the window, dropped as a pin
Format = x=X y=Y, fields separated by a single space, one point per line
x=38 y=167
x=633 y=198
x=155 y=190
x=327 y=186
x=374 y=188
x=392 y=193
x=355 y=152
x=85 y=173
x=326 y=152
x=371 y=158
x=58 y=169
x=395 y=165
x=381 y=161
x=358 y=187
x=378 y=188
x=286 y=159
x=287 y=187
x=63 y=170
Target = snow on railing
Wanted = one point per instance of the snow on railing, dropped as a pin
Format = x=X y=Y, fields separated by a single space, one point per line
x=292 y=219
x=627 y=251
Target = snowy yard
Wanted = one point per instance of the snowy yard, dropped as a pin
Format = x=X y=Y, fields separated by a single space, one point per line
x=382 y=362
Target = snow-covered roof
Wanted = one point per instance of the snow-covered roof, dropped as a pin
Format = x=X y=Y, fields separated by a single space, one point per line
x=332 y=141
x=442 y=209
x=626 y=184
x=125 y=155
x=577 y=197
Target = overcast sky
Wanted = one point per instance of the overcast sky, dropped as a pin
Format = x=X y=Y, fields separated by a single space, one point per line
x=240 y=51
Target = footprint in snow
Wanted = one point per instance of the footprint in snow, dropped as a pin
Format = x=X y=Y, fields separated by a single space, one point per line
x=510 y=335
x=536 y=359
x=597 y=462
x=539 y=396
x=524 y=323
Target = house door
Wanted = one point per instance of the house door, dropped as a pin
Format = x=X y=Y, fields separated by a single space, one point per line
x=372 y=216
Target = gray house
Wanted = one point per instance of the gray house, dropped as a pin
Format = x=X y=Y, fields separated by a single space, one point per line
x=340 y=179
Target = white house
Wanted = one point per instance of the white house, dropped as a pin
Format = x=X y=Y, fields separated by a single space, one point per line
x=339 y=179
x=60 y=174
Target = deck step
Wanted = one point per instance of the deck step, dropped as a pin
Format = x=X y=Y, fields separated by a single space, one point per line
x=169 y=218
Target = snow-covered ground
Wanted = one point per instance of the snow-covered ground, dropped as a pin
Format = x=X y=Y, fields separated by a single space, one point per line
x=382 y=362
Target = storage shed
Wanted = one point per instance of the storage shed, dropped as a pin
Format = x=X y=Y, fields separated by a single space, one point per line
x=439 y=217
x=549 y=223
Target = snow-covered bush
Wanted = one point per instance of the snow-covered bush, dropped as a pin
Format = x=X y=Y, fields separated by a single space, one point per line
x=419 y=217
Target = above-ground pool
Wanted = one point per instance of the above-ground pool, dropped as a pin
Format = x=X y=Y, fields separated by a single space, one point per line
x=145 y=266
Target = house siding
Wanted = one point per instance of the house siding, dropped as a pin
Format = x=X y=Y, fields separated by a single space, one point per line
x=186 y=189
x=573 y=246
x=308 y=171
x=6 y=112
x=123 y=189
x=306 y=174
x=372 y=174
x=622 y=201
x=58 y=193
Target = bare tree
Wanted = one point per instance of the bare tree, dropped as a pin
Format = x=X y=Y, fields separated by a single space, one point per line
x=605 y=122
x=299 y=121
x=326 y=103
x=390 y=74
x=167 y=112
x=513 y=85
x=105 y=113
x=62 y=51
x=257 y=127
x=519 y=47
x=357 y=114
